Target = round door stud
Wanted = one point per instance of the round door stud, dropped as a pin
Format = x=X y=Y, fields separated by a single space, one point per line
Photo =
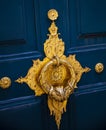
x=99 y=67
x=52 y=14
x=5 y=82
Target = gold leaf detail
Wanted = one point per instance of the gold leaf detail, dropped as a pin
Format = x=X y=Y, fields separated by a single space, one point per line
x=32 y=76
x=57 y=109
x=57 y=75
x=53 y=45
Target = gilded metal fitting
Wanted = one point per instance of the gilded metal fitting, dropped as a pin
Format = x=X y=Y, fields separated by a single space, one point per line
x=5 y=82
x=99 y=67
x=57 y=75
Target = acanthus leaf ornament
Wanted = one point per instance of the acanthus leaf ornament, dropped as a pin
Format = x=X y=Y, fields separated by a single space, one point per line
x=57 y=75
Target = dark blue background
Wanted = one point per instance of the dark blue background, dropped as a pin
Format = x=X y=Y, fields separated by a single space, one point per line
x=23 y=31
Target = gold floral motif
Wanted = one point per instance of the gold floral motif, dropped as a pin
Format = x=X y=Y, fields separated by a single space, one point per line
x=57 y=75
x=53 y=46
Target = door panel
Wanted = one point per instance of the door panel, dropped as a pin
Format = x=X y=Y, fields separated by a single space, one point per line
x=90 y=13
x=18 y=35
x=87 y=23
x=90 y=111
x=23 y=31
x=15 y=27
x=21 y=113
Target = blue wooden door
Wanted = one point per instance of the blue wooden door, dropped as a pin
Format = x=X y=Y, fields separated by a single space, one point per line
x=23 y=30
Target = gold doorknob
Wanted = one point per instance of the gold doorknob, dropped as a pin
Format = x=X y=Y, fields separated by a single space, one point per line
x=99 y=67
x=5 y=82
x=57 y=75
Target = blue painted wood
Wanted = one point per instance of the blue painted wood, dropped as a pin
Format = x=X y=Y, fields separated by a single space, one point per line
x=23 y=30
x=20 y=18
x=92 y=16
x=21 y=113
x=87 y=21
x=90 y=111
x=12 y=12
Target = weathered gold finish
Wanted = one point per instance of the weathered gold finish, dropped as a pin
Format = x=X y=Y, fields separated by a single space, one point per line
x=99 y=67
x=5 y=82
x=57 y=75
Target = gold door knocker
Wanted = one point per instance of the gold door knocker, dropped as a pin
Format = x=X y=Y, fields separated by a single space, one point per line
x=57 y=75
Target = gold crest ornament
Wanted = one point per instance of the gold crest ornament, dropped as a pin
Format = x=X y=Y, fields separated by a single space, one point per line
x=57 y=75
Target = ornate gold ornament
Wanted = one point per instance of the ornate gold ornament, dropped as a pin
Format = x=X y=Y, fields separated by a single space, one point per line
x=5 y=82
x=99 y=67
x=57 y=75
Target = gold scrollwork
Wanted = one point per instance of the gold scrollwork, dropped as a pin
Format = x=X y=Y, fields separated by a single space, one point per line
x=57 y=75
